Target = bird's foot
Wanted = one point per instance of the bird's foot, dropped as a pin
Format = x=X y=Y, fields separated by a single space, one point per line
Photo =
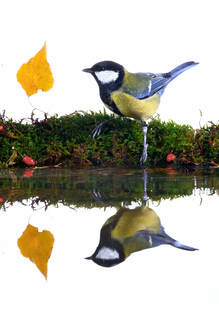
x=97 y=131
x=144 y=155
x=97 y=196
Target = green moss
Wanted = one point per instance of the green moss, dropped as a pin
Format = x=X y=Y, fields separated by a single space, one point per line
x=67 y=141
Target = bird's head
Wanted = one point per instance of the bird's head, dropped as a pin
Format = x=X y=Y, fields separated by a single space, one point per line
x=109 y=252
x=107 y=73
x=107 y=257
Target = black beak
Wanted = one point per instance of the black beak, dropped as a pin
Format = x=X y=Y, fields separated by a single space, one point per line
x=89 y=258
x=87 y=70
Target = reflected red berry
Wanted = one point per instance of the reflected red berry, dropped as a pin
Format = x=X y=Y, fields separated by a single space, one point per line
x=28 y=173
x=171 y=171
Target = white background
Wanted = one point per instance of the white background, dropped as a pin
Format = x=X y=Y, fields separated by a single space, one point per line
x=142 y=35
x=174 y=288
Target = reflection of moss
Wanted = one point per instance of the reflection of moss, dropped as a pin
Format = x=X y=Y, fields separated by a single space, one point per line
x=75 y=188
x=68 y=140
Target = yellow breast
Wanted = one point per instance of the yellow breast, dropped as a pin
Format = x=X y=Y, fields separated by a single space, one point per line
x=129 y=106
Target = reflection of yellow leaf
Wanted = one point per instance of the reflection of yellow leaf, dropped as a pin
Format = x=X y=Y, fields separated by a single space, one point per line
x=37 y=246
x=36 y=74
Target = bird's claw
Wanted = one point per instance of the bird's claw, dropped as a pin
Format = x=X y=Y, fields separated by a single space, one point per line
x=97 y=131
x=97 y=196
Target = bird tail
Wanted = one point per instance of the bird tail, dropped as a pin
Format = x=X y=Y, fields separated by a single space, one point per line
x=177 y=244
x=181 y=68
x=162 y=238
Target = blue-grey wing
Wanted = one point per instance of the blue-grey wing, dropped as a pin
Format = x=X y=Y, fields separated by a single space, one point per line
x=144 y=85
x=159 y=83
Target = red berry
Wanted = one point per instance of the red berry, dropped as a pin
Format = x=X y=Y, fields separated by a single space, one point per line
x=214 y=143
x=1 y=200
x=1 y=128
x=170 y=157
x=29 y=161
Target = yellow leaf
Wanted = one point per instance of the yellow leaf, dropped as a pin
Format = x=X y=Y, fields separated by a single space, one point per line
x=37 y=246
x=36 y=74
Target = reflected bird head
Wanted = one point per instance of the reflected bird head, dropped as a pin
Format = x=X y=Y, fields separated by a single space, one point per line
x=107 y=256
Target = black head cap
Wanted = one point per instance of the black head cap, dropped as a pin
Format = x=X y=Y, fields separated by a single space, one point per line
x=107 y=74
x=107 y=66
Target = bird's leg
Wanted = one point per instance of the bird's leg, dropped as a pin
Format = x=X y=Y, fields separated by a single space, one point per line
x=144 y=153
x=97 y=131
x=145 y=196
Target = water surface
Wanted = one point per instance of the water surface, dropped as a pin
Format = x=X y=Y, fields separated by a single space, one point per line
x=109 y=247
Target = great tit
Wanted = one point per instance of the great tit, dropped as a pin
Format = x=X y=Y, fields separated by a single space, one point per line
x=135 y=95
x=129 y=231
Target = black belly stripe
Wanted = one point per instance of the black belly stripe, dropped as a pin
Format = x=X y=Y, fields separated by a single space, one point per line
x=105 y=96
x=114 y=109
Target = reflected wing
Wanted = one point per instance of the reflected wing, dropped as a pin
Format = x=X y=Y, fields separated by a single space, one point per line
x=162 y=238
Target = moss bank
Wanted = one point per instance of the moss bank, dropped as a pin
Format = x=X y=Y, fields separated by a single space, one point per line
x=67 y=141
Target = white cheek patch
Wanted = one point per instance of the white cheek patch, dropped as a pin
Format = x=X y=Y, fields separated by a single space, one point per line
x=107 y=254
x=107 y=76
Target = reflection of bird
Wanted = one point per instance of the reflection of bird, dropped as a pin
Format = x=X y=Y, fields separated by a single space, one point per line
x=129 y=231
x=135 y=95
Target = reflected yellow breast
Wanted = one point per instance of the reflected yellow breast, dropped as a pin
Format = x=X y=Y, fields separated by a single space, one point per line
x=132 y=221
